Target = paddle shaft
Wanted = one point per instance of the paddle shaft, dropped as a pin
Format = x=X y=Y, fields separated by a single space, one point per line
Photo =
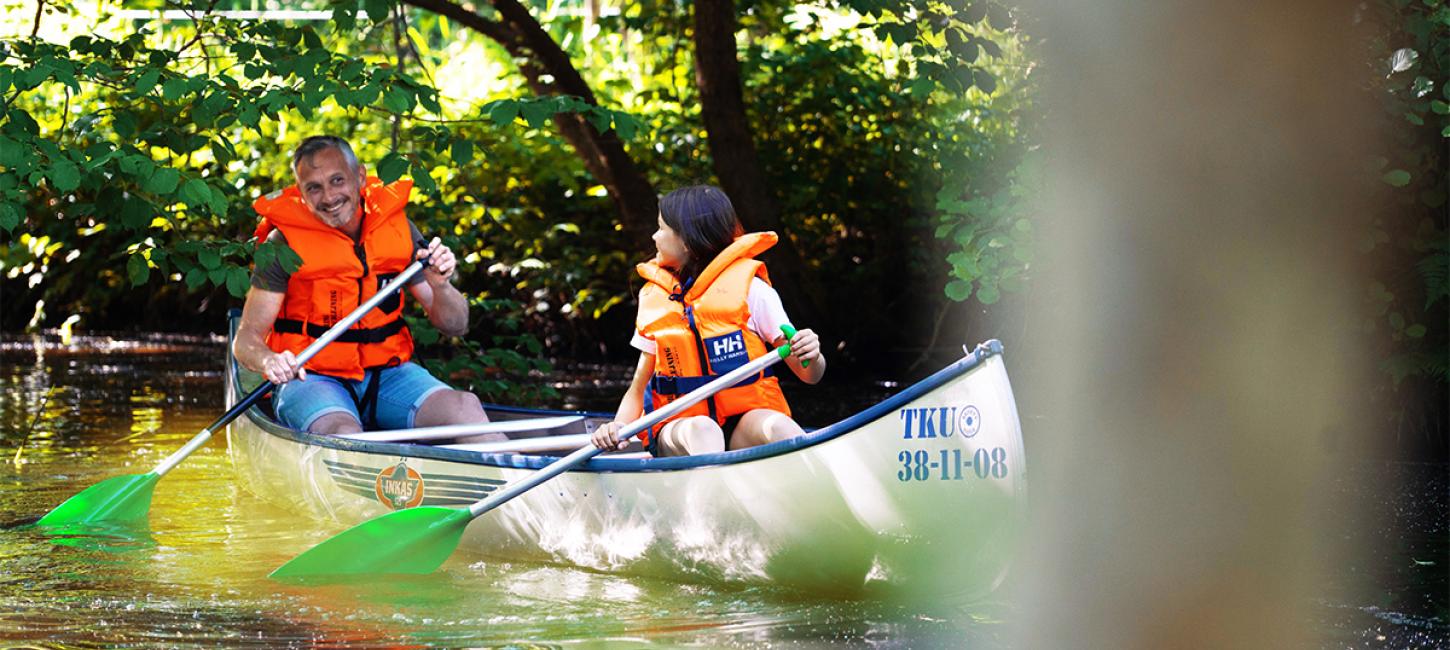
x=322 y=341
x=634 y=428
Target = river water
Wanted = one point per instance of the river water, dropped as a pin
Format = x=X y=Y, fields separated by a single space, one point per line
x=196 y=576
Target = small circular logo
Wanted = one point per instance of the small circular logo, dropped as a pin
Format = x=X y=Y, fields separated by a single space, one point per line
x=399 y=487
x=969 y=421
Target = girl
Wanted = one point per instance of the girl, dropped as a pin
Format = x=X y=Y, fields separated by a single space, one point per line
x=707 y=307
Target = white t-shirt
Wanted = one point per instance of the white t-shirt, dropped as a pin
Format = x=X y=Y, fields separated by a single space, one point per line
x=766 y=316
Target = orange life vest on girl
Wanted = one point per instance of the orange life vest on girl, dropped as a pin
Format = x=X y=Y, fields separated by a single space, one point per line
x=339 y=274
x=703 y=331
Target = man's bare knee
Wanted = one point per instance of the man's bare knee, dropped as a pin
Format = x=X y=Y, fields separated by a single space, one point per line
x=334 y=424
x=450 y=407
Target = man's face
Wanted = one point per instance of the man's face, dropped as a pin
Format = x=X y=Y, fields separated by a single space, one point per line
x=331 y=188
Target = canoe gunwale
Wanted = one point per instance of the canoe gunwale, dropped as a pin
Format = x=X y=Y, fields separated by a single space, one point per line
x=257 y=417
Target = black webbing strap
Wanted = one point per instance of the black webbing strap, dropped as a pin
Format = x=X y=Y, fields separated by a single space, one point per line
x=361 y=335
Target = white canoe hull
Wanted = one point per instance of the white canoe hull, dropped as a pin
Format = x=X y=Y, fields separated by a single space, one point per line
x=924 y=492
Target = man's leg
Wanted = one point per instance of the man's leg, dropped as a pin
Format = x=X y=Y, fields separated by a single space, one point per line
x=410 y=397
x=319 y=404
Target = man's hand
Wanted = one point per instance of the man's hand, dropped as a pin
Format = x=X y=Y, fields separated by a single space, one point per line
x=282 y=367
x=441 y=263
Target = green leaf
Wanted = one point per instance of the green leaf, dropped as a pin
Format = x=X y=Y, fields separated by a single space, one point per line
x=291 y=261
x=173 y=88
x=600 y=118
x=422 y=179
x=462 y=151
x=377 y=10
x=137 y=270
x=959 y=290
x=163 y=181
x=429 y=100
x=984 y=81
x=218 y=203
x=504 y=112
x=398 y=100
x=218 y=276
x=988 y=294
x=195 y=192
x=195 y=278
x=209 y=258
x=922 y=87
x=65 y=176
x=237 y=281
x=1439 y=107
x=391 y=167
x=1415 y=331
x=265 y=255
x=136 y=213
x=1397 y=177
x=9 y=217
x=147 y=81
x=536 y=113
x=625 y=126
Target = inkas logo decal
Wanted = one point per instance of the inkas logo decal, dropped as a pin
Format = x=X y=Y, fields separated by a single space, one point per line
x=399 y=487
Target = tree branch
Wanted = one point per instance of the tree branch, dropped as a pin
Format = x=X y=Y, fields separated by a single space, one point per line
x=39 y=7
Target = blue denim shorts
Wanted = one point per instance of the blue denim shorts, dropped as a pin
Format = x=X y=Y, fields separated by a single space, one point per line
x=401 y=390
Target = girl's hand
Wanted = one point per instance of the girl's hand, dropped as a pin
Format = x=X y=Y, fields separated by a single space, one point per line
x=606 y=437
x=806 y=346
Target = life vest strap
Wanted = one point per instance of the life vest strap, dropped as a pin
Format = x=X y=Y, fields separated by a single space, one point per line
x=357 y=335
x=668 y=385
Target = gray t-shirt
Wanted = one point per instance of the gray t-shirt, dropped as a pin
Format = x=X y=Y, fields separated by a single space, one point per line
x=274 y=278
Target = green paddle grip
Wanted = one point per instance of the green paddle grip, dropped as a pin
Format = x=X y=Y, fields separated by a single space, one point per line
x=784 y=350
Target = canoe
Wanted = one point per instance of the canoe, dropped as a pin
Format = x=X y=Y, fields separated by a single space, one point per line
x=924 y=492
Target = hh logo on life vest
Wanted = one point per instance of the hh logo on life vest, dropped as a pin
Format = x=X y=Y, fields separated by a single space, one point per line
x=727 y=352
x=399 y=487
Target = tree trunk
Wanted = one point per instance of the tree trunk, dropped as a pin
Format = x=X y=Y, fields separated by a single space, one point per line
x=732 y=148
x=603 y=153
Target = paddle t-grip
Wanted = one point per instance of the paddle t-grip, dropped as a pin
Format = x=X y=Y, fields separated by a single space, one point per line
x=785 y=349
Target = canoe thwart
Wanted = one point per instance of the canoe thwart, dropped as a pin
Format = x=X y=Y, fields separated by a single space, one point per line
x=460 y=430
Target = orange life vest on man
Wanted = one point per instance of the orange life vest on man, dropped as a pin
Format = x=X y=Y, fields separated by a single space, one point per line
x=339 y=274
x=702 y=332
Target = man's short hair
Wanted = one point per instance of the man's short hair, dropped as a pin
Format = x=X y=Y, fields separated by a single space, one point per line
x=314 y=144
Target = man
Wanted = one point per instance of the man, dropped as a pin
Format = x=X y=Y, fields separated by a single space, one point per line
x=352 y=235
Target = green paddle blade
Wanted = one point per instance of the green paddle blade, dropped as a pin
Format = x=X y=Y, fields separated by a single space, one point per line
x=120 y=499
x=416 y=540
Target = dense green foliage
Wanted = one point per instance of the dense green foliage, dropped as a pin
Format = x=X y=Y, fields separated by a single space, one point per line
x=131 y=155
x=1407 y=238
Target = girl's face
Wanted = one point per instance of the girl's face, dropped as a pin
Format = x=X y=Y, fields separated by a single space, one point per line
x=670 y=246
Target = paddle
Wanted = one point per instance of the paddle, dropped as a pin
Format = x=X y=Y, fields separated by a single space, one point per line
x=418 y=540
x=128 y=497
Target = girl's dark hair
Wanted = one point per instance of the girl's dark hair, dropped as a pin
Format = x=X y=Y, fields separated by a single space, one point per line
x=704 y=218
